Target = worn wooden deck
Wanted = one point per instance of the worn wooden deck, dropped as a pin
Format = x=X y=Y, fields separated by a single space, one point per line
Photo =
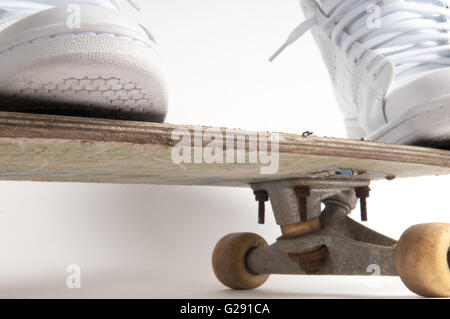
x=57 y=148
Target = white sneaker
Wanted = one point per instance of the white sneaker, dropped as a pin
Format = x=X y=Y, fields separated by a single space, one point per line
x=79 y=58
x=390 y=66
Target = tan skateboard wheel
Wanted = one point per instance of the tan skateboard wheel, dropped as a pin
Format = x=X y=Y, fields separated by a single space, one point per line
x=422 y=259
x=229 y=261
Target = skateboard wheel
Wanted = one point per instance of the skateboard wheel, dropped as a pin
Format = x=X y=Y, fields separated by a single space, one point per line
x=422 y=259
x=229 y=261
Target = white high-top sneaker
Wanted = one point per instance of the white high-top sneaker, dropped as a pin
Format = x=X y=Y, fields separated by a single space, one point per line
x=389 y=62
x=79 y=58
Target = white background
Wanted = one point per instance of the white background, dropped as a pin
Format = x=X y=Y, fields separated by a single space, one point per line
x=156 y=242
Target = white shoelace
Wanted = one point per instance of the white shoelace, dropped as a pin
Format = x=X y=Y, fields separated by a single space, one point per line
x=134 y=3
x=411 y=34
x=11 y=10
x=24 y=8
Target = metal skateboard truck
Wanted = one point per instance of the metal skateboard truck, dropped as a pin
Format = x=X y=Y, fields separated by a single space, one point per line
x=324 y=242
x=318 y=241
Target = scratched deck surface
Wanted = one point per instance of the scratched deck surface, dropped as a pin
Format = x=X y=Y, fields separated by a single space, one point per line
x=56 y=148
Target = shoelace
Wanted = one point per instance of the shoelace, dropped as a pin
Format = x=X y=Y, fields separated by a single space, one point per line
x=134 y=3
x=410 y=34
x=27 y=7
x=23 y=6
x=10 y=10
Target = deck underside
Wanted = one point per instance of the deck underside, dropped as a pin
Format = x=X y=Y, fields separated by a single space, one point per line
x=55 y=148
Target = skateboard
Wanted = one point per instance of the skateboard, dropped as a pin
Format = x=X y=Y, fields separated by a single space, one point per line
x=312 y=184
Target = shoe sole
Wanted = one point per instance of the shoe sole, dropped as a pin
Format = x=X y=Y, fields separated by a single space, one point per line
x=426 y=125
x=84 y=73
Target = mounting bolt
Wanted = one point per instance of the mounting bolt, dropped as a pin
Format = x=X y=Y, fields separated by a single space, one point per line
x=303 y=192
x=261 y=196
x=362 y=193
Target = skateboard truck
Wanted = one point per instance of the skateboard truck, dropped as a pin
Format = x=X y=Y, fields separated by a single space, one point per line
x=328 y=242
x=323 y=241
x=316 y=241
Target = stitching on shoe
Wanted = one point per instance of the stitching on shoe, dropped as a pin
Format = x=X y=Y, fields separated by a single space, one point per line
x=405 y=121
x=63 y=35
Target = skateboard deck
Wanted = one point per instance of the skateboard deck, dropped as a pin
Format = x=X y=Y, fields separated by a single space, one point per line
x=39 y=147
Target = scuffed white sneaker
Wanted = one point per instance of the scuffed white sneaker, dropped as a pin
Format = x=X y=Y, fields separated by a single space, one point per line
x=389 y=62
x=82 y=58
